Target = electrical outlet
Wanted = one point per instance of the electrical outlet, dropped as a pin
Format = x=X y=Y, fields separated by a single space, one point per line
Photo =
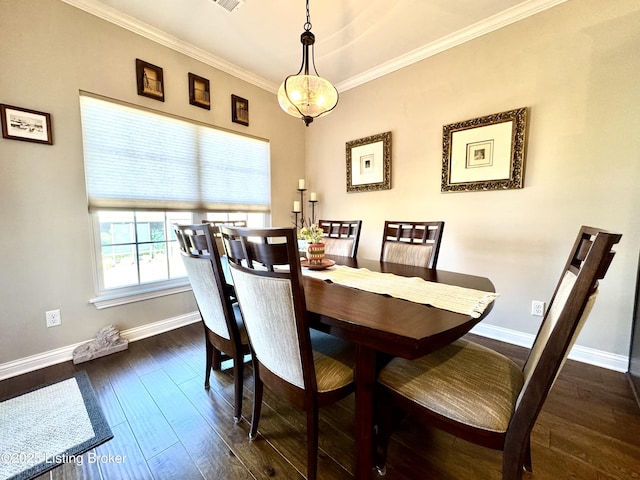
x=537 y=308
x=53 y=318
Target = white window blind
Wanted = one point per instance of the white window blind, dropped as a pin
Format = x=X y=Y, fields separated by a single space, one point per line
x=136 y=159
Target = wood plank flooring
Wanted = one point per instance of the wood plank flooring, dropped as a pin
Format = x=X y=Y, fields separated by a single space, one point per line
x=167 y=426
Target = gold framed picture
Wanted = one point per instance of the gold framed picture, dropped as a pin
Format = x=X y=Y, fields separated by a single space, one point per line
x=369 y=163
x=485 y=153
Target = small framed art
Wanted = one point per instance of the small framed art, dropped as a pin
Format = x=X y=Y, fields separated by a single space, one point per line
x=239 y=110
x=485 y=153
x=150 y=80
x=27 y=125
x=199 y=91
x=369 y=163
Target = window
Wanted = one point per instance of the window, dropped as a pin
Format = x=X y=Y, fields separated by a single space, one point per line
x=138 y=247
x=146 y=171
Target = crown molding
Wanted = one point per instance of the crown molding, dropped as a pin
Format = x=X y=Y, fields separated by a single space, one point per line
x=145 y=30
x=488 y=25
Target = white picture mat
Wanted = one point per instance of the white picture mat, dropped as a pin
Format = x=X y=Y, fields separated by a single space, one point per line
x=26 y=125
x=367 y=164
x=500 y=168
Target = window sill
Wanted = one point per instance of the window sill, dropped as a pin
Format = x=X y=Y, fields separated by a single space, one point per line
x=116 y=299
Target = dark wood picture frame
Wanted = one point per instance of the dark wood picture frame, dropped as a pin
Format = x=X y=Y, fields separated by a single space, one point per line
x=26 y=125
x=485 y=153
x=150 y=80
x=199 y=93
x=240 y=110
x=369 y=163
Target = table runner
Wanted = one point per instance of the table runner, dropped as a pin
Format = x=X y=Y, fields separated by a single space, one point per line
x=448 y=297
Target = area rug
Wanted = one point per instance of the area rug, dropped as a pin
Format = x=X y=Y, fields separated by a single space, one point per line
x=48 y=426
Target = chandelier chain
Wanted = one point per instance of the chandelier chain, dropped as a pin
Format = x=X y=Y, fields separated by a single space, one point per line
x=307 y=25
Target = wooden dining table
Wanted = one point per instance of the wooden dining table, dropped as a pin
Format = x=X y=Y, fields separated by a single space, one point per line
x=382 y=325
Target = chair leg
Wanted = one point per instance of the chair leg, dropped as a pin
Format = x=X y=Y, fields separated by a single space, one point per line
x=258 y=387
x=512 y=461
x=209 y=362
x=217 y=359
x=238 y=378
x=527 y=456
x=312 y=442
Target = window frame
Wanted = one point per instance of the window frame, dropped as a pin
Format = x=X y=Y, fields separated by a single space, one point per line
x=112 y=297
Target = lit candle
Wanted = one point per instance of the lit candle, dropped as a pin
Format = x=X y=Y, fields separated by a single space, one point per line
x=313 y=196
x=301 y=184
x=296 y=206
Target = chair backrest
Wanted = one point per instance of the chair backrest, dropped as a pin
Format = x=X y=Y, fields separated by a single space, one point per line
x=341 y=237
x=216 y=229
x=265 y=265
x=412 y=243
x=568 y=310
x=202 y=262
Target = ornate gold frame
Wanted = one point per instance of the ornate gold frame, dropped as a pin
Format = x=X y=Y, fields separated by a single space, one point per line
x=501 y=136
x=373 y=169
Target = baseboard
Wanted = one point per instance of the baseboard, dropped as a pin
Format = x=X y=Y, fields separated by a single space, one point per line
x=588 y=355
x=64 y=354
x=599 y=358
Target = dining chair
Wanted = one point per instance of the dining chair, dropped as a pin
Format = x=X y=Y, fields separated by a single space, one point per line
x=412 y=243
x=216 y=229
x=310 y=370
x=481 y=396
x=225 y=334
x=341 y=237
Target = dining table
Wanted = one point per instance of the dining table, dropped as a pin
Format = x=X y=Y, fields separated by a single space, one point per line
x=383 y=326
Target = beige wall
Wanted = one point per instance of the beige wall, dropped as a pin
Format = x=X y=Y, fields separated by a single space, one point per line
x=577 y=68
x=49 y=52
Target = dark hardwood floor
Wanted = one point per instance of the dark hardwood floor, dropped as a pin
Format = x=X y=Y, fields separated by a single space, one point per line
x=167 y=426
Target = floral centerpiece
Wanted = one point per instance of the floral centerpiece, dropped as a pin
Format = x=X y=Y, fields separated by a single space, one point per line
x=314 y=236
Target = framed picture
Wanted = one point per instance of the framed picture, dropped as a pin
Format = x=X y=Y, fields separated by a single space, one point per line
x=485 y=153
x=150 y=80
x=240 y=110
x=199 y=91
x=369 y=163
x=27 y=125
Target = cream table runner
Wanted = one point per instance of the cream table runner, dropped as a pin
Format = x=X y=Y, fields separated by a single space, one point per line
x=448 y=297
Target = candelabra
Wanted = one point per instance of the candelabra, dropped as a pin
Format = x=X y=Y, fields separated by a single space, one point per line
x=313 y=202
x=298 y=206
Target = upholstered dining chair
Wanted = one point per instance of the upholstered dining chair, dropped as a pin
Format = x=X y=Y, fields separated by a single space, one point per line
x=309 y=370
x=481 y=396
x=341 y=237
x=216 y=229
x=225 y=335
x=412 y=243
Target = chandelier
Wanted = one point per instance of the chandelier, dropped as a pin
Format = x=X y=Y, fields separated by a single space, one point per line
x=306 y=95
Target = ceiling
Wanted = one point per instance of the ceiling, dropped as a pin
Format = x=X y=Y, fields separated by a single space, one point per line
x=356 y=40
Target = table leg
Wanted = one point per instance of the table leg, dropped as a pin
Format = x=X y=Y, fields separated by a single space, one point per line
x=365 y=384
